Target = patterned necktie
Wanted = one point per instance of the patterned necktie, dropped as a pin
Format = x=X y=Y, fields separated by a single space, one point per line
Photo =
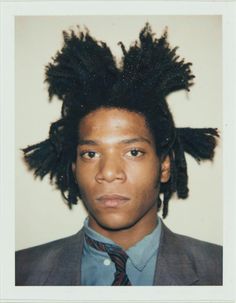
x=117 y=255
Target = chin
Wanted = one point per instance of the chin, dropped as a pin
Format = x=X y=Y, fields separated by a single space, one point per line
x=114 y=223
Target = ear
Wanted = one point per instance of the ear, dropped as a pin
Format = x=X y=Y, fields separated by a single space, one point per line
x=165 y=170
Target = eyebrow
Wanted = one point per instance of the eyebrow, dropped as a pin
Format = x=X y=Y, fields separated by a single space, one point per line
x=124 y=141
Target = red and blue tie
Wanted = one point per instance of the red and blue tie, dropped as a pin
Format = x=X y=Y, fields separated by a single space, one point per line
x=118 y=256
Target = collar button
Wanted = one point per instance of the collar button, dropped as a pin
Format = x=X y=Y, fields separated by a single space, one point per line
x=107 y=262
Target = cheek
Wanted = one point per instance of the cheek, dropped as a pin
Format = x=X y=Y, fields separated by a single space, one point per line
x=84 y=177
x=147 y=191
x=145 y=183
x=145 y=176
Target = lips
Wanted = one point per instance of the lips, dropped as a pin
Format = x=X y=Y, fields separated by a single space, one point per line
x=112 y=200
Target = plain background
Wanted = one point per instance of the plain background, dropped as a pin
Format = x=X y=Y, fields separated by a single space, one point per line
x=40 y=214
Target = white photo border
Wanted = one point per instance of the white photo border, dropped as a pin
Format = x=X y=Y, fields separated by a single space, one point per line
x=8 y=291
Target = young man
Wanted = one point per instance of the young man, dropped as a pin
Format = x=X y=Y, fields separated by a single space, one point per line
x=116 y=147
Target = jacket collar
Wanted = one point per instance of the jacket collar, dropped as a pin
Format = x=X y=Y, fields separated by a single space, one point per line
x=174 y=266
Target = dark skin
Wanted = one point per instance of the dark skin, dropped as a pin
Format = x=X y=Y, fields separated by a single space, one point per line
x=119 y=174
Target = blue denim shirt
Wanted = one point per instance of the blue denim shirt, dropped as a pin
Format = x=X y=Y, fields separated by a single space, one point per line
x=98 y=269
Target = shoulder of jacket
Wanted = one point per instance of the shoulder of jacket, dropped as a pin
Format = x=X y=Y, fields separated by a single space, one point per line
x=33 y=265
x=53 y=245
x=202 y=253
x=204 y=258
x=198 y=246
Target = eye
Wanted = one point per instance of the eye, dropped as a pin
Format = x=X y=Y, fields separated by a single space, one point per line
x=135 y=153
x=89 y=155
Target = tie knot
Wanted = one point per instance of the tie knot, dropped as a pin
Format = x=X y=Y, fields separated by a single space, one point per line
x=117 y=254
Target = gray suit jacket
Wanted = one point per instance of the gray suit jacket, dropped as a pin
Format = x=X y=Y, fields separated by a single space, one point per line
x=181 y=261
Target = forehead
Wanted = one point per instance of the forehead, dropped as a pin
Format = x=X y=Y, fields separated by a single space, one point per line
x=113 y=122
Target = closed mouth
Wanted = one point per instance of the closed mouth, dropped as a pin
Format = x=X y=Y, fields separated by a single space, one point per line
x=112 y=200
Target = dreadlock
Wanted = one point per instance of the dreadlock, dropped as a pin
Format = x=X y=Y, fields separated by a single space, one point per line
x=85 y=77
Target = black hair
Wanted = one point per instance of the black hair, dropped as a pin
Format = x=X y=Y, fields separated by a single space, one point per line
x=85 y=76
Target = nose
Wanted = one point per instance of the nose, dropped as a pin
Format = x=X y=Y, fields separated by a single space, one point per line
x=110 y=170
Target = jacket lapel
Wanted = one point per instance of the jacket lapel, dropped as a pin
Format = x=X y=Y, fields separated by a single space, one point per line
x=174 y=266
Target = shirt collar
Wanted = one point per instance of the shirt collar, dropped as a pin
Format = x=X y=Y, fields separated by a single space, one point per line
x=140 y=253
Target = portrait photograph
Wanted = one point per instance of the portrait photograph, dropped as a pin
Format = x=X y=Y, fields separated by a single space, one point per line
x=118 y=155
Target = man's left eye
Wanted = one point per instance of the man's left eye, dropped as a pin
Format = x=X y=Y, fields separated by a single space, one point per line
x=135 y=153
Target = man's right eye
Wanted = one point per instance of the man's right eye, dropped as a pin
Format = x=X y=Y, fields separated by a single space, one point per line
x=89 y=155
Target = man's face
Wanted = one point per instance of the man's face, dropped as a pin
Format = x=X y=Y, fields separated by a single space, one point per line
x=117 y=169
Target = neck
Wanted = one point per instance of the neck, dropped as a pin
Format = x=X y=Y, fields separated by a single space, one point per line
x=126 y=237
